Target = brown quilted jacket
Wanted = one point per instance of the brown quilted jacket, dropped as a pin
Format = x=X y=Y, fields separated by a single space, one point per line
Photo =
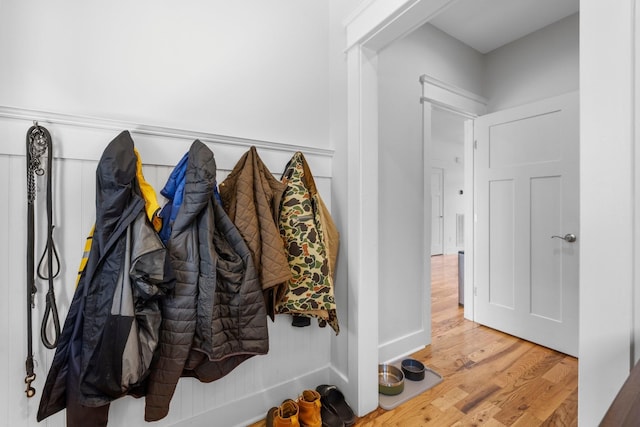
x=251 y=197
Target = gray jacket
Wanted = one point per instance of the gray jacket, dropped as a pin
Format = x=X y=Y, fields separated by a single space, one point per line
x=216 y=318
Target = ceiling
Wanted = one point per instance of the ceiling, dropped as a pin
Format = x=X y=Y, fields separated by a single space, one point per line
x=486 y=25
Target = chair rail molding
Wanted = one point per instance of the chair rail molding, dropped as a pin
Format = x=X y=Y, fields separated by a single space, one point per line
x=85 y=139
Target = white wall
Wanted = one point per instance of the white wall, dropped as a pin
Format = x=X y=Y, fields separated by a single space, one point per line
x=607 y=200
x=538 y=66
x=251 y=69
x=430 y=51
x=275 y=74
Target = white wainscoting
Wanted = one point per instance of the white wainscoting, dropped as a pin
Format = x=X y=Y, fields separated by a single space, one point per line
x=299 y=358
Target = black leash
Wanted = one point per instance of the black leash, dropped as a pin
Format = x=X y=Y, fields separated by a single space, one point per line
x=50 y=252
x=39 y=142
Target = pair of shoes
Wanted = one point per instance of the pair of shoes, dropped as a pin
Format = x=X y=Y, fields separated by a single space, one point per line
x=304 y=412
x=335 y=410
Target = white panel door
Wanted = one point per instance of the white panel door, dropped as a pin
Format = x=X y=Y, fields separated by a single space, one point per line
x=526 y=166
x=437 y=211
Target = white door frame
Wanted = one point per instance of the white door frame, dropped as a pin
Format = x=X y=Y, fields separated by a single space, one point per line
x=444 y=96
x=372 y=27
x=440 y=172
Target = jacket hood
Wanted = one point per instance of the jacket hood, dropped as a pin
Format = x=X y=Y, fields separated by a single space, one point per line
x=200 y=181
x=117 y=201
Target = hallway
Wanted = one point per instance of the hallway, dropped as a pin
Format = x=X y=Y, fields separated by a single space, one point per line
x=490 y=378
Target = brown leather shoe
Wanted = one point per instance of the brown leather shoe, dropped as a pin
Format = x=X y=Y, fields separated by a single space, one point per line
x=287 y=415
x=271 y=415
x=309 y=405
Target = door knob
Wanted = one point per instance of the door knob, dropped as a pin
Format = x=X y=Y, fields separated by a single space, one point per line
x=567 y=237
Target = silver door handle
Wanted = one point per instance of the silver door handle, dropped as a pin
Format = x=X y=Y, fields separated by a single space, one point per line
x=567 y=237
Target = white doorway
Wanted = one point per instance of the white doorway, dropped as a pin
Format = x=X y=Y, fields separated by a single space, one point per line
x=371 y=157
x=522 y=179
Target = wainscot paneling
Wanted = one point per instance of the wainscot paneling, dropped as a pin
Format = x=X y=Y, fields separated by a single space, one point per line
x=298 y=358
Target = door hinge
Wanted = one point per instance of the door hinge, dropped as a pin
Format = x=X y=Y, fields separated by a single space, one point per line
x=475 y=291
x=475 y=144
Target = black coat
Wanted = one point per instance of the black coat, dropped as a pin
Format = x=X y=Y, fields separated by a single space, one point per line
x=111 y=330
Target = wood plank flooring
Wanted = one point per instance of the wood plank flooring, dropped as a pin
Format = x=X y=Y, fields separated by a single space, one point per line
x=490 y=378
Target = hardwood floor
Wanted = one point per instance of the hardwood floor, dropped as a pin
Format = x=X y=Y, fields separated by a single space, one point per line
x=490 y=378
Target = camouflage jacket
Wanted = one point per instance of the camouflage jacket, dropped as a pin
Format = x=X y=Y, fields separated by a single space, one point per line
x=312 y=240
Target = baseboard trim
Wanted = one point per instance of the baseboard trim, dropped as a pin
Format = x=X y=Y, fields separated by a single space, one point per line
x=254 y=407
x=403 y=346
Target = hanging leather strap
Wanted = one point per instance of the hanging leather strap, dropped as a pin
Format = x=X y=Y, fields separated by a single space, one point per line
x=38 y=142
x=50 y=252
